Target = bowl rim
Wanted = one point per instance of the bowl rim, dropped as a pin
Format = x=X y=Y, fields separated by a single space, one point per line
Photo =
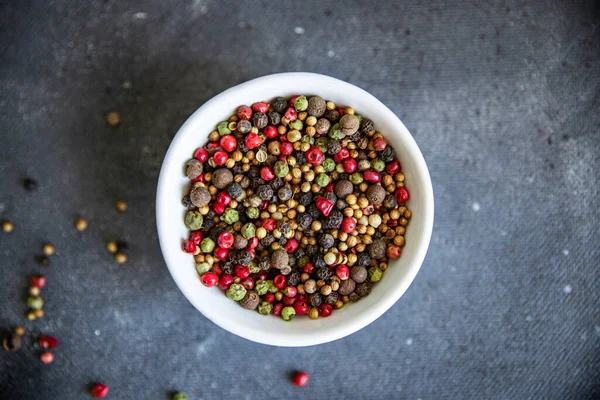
x=390 y=297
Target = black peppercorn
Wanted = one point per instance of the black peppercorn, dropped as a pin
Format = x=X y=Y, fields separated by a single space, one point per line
x=237 y=169
x=354 y=297
x=294 y=279
x=313 y=211
x=300 y=157
x=311 y=249
x=282 y=241
x=284 y=227
x=324 y=273
x=274 y=118
x=387 y=154
x=390 y=202
x=259 y=120
x=332 y=115
x=300 y=253
x=244 y=258
x=235 y=190
x=187 y=202
x=265 y=192
x=264 y=263
x=29 y=184
x=331 y=298
x=227 y=268
x=244 y=126
x=271 y=160
x=334 y=221
x=305 y=199
x=331 y=197
x=341 y=204
x=267 y=240
x=285 y=193
x=333 y=147
x=377 y=249
x=363 y=289
x=207 y=225
x=315 y=299
x=279 y=104
x=363 y=259
x=326 y=241
x=214 y=233
x=319 y=261
x=366 y=126
x=242 y=146
x=304 y=220
x=245 y=182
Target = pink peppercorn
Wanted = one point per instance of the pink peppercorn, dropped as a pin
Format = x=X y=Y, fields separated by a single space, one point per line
x=209 y=279
x=269 y=297
x=325 y=310
x=309 y=268
x=228 y=143
x=260 y=106
x=349 y=165
x=99 y=390
x=248 y=283
x=324 y=205
x=213 y=145
x=263 y=205
x=196 y=237
x=269 y=224
x=216 y=268
x=47 y=357
x=372 y=176
x=290 y=291
x=393 y=167
x=342 y=272
x=289 y=301
x=348 y=224
x=266 y=173
x=302 y=297
x=301 y=307
x=39 y=281
x=225 y=281
x=342 y=154
x=277 y=309
x=219 y=208
x=48 y=342
x=402 y=195
x=244 y=112
x=379 y=144
x=394 y=251
x=270 y=132
x=300 y=378
x=262 y=275
x=252 y=243
x=220 y=157
x=291 y=114
x=242 y=271
x=286 y=148
x=199 y=178
x=330 y=187
x=280 y=281
x=223 y=198
x=252 y=140
x=315 y=156
x=225 y=240
x=221 y=253
x=291 y=245
x=293 y=100
x=189 y=247
x=201 y=154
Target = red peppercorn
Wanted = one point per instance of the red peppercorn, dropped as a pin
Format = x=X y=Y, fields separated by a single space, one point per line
x=269 y=297
x=301 y=297
x=300 y=378
x=270 y=132
x=280 y=281
x=248 y=283
x=291 y=114
x=290 y=291
x=269 y=224
x=225 y=240
x=393 y=167
x=349 y=165
x=199 y=178
x=340 y=111
x=252 y=243
x=219 y=208
x=47 y=357
x=277 y=309
x=223 y=198
x=301 y=307
x=213 y=145
x=291 y=245
x=196 y=237
x=266 y=173
x=342 y=154
x=221 y=253
x=394 y=251
x=260 y=106
x=379 y=144
x=99 y=390
x=263 y=205
x=225 y=281
x=228 y=143
x=315 y=156
x=286 y=148
x=325 y=310
x=289 y=301
x=189 y=246
x=242 y=271
x=402 y=195
x=252 y=140
x=201 y=154
x=39 y=281
x=372 y=176
x=342 y=272
x=244 y=112
x=48 y=342
x=220 y=157
x=324 y=205
x=216 y=268
x=209 y=279
x=348 y=224
x=292 y=100
x=262 y=275
x=330 y=187
x=309 y=268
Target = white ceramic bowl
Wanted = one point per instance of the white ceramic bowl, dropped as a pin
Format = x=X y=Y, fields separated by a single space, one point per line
x=302 y=331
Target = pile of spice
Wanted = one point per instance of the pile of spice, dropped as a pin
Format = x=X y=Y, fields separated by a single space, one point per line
x=296 y=207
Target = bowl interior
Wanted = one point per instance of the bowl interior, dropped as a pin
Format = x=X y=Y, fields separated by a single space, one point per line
x=302 y=331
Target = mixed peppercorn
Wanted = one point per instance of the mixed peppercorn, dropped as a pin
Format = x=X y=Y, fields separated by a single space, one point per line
x=296 y=207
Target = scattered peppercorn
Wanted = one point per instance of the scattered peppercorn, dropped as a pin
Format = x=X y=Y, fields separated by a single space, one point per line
x=81 y=224
x=29 y=184
x=121 y=206
x=48 y=249
x=7 y=226
x=113 y=119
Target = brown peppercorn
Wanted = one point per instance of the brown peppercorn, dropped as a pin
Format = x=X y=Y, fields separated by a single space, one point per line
x=322 y=126
x=250 y=300
x=343 y=188
x=346 y=287
x=377 y=249
x=221 y=178
x=199 y=197
x=349 y=124
x=376 y=194
x=280 y=259
x=316 y=106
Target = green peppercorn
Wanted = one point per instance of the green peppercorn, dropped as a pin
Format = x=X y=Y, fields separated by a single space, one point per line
x=261 y=287
x=265 y=308
x=236 y=292
x=375 y=274
x=301 y=103
x=281 y=169
x=378 y=164
x=307 y=139
x=302 y=262
x=202 y=267
x=207 y=245
x=321 y=143
x=322 y=180
x=297 y=125
x=193 y=220
x=230 y=216
x=288 y=313
x=294 y=135
x=223 y=129
x=272 y=287
x=179 y=396
x=248 y=230
x=254 y=269
x=356 y=178
x=252 y=212
x=336 y=133
x=35 y=302
x=329 y=258
x=328 y=164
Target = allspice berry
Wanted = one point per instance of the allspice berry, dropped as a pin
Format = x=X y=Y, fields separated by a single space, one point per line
x=376 y=194
x=343 y=188
x=221 y=178
x=377 y=249
x=194 y=169
x=280 y=259
x=316 y=106
x=250 y=300
x=346 y=287
x=358 y=274
x=322 y=126
x=349 y=124
x=199 y=197
x=239 y=242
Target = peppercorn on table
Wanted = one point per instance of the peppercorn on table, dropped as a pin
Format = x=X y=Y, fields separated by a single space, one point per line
x=501 y=96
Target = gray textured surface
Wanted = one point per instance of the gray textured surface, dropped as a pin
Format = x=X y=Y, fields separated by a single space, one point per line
x=503 y=99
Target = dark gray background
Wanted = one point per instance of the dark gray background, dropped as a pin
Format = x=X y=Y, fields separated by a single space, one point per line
x=502 y=97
